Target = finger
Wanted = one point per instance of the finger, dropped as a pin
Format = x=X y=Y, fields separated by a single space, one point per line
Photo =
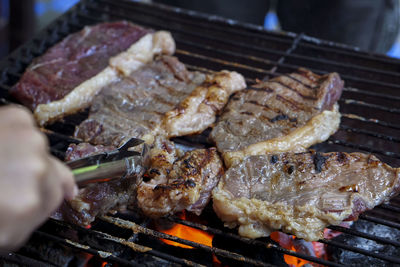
x=13 y=115
x=70 y=189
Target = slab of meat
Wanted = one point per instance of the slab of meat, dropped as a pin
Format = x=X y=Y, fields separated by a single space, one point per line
x=303 y=193
x=288 y=113
x=178 y=183
x=100 y=198
x=136 y=105
x=198 y=111
x=75 y=59
x=137 y=55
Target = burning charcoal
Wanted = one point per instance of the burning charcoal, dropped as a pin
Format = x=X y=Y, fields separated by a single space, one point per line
x=351 y=258
x=54 y=253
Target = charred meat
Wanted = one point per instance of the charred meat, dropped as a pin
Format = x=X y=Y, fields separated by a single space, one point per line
x=303 y=193
x=178 y=183
x=287 y=113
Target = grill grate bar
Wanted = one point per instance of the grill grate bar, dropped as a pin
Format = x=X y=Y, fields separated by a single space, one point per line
x=345 y=76
x=343 y=64
x=370 y=133
x=103 y=254
x=223 y=62
x=253 y=242
x=364 y=148
x=369 y=105
x=374 y=121
x=135 y=247
x=374 y=219
x=219 y=252
x=21 y=260
x=361 y=251
x=359 y=91
x=390 y=207
x=365 y=235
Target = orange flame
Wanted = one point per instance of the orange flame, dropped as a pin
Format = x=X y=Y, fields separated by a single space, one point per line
x=188 y=233
x=104 y=264
x=290 y=260
x=318 y=248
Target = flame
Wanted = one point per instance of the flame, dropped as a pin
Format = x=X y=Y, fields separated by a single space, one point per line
x=188 y=233
x=286 y=241
x=316 y=249
x=104 y=264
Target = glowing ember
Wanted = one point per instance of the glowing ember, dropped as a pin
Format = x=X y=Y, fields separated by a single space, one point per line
x=188 y=233
x=315 y=249
x=287 y=241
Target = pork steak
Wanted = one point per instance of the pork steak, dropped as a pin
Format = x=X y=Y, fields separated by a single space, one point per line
x=303 y=193
x=157 y=100
x=287 y=113
x=178 y=182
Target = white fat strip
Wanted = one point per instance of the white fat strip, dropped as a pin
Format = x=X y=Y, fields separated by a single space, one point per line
x=140 y=53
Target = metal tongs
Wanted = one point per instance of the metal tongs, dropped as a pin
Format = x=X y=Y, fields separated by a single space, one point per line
x=115 y=164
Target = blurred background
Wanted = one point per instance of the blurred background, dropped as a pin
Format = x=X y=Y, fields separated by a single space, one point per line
x=372 y=25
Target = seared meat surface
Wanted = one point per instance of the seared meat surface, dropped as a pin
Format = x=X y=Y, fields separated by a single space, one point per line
x=74 y=60
x=137 y=105
x=303 y=193
x=287 y=113
x=178 y=183
x=100 y=198
x=198 y=111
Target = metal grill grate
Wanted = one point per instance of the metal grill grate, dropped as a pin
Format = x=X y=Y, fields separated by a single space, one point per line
x=369 y=107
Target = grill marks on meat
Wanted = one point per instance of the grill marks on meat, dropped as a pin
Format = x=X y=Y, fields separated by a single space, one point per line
x=77 y=58
x=288 y=113
x=138 y=54
x=178 y=184
x=160 y=99
x=100 y=198
x=135 y=106
x=198 y=111
x=301 y=194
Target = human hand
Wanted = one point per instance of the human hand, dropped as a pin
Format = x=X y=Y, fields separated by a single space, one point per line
x=32 y=182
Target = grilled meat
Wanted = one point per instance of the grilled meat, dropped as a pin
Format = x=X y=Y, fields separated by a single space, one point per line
x=197 y=112
x=136 y=105
x=75 y=59
x=120 y=65
x=178 y=184
x=287 y=113
x=302 y=193
x=83 y=150
x=100 y=198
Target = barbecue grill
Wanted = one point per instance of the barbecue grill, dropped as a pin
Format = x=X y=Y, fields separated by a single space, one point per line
x=370 y=123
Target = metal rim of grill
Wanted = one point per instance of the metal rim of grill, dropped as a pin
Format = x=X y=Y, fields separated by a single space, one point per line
x=369 y=107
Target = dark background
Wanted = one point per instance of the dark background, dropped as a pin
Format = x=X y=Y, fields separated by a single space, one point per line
x=372 y=25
